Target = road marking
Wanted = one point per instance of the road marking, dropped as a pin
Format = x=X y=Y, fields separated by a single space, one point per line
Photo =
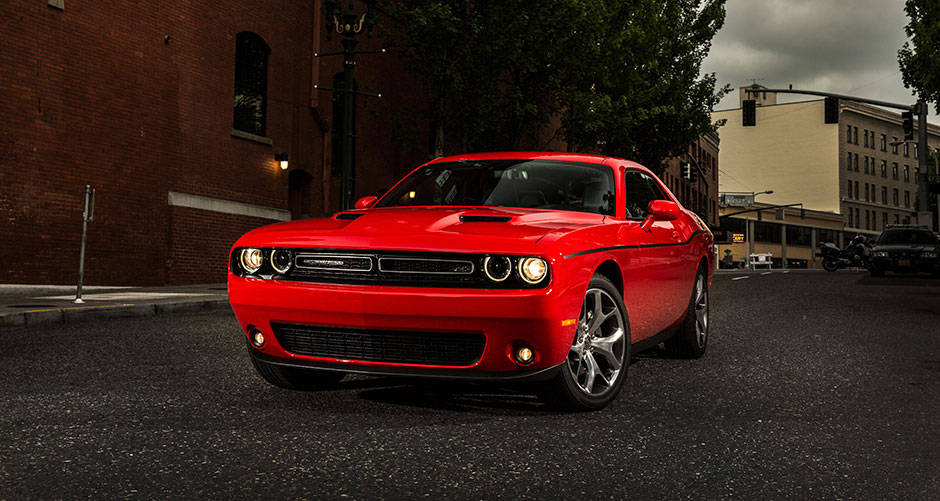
x=740 y=278
x=79 y=308
x=766 y=273
x=785 y=272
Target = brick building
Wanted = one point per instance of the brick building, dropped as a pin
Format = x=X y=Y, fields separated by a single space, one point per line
x=700 y=194
x=136 y=99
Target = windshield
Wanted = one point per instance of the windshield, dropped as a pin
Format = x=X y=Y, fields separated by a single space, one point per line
x=907 y=237
x=531 y=184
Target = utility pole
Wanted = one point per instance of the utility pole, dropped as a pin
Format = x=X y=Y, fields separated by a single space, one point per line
x=922 y=185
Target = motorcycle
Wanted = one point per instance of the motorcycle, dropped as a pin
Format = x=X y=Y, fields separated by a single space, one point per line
x=855 y=255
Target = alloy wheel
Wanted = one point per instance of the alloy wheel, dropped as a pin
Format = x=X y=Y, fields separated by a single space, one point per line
x=701 y=311
x=597 y=353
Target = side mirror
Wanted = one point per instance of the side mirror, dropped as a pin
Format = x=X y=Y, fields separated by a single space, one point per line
x=660 y=210
x=365 y=202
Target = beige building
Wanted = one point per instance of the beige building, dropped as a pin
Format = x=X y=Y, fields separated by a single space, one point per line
x=858 y=168
x=852 y=177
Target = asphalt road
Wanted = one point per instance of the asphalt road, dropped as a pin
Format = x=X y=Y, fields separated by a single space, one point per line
x=814 y=386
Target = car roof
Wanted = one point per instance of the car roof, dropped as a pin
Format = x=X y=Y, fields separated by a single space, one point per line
x=535 y=155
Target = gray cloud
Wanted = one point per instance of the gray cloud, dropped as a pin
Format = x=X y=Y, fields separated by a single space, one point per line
x=842 y=46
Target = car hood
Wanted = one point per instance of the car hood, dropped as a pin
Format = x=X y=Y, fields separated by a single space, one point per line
x=436 y=229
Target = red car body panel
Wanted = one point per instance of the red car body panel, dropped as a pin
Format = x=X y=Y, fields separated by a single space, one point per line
x=656 y=268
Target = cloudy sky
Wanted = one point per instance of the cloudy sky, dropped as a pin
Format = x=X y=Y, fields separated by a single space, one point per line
x=842 y=46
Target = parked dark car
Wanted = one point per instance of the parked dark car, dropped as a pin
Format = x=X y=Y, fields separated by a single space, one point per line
x=906 y=249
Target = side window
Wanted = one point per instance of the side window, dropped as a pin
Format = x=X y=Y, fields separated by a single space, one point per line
x=640 y=190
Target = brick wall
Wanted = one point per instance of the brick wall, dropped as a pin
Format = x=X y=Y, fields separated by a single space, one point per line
x=97 y=94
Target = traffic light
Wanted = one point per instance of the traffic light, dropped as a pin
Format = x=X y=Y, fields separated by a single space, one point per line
x=686 y=169
x=749 y=108
x=832 y=110
x=907 y=118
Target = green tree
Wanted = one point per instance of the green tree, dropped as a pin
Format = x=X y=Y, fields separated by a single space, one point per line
x=650 y=100
x=623 y=77
x=920 y=57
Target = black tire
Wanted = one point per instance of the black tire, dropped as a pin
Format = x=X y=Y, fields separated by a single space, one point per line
x=564 y=391
x=830 y=264
x=292 y=378
x=689 y=342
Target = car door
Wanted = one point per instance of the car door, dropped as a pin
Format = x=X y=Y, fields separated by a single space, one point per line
x=653 y=259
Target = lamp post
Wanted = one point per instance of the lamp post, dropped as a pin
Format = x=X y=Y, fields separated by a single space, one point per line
x=348 y=23
x=747 y=231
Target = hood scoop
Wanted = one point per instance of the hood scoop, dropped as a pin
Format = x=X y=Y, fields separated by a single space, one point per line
x=348 y=216
x=470 y=218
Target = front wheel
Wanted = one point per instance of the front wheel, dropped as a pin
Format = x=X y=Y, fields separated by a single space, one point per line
x=597 y=361
x=830 y=264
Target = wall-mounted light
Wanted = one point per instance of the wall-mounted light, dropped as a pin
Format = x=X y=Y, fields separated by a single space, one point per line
x=281 y=159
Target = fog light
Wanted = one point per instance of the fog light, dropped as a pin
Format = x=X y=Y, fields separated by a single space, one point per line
x=256 y=337
x=533 y=269
x=524 y=355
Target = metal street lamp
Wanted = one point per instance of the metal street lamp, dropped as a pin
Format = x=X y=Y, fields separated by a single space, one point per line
x=348 y=23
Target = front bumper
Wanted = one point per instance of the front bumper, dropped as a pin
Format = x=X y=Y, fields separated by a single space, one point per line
x=505 y=317
x=906 y=265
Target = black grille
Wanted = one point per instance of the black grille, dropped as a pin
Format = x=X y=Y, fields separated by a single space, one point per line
x=424 y=348
x=422 y=265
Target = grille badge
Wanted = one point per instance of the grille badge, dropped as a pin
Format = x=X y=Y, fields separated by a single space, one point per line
x=333 y=262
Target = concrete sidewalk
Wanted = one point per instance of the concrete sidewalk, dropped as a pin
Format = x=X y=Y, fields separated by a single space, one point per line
x=28 y=305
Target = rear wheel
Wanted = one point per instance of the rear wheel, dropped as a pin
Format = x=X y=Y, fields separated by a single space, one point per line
x=292 y=378
x=692 y=338
x=830 y=264
x=597 y=361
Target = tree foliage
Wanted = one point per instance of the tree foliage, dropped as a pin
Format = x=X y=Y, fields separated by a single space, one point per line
x=615 y=77
x=920 y=57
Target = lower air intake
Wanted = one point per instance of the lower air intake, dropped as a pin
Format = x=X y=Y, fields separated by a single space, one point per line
x=405 y=347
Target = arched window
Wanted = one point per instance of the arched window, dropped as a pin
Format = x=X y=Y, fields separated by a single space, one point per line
x=251 y=82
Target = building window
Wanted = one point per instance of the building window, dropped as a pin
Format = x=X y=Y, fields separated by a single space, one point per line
x=874 y=220
x=907 y=199
x=867 y=220
x=866 y=192
x=872 y=142
x=894 y=192
x=894 y=145
x=896 y=219
x=907 y=173
x=856 y=162
x=884 y=195
x=884 y=219
x=894 y=171
x=857 y=197
x=884 y=169
x=849 y=192
x=251 y=81
x=799 y=235
x=915 y=150
x=866 y=138
x=907 y=149
x=856 y=135
x=848 y=161
x=866 y=163
x=884 y=142
x=848 y=134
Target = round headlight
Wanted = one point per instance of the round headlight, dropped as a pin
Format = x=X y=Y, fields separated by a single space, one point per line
x=533 y=269
x=252 y=259
x=497 y=268
x=280 y=260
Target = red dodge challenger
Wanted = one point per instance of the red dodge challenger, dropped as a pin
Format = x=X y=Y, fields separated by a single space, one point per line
x=536 y=267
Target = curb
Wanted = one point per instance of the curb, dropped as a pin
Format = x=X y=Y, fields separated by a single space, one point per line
x=75 y=314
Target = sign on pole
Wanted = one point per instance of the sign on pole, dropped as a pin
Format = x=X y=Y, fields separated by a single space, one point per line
x=738 y=200
x=737 y=238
